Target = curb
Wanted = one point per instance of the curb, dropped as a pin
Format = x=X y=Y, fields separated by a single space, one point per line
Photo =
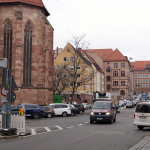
x=144 y=144
x=9 y=137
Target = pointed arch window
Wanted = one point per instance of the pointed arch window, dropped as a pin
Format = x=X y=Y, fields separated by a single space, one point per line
x=8 y=43
x=27 y=60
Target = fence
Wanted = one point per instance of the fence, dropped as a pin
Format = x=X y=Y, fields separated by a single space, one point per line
x=16 y=122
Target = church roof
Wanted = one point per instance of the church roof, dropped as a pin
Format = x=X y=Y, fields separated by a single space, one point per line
x=31 y=2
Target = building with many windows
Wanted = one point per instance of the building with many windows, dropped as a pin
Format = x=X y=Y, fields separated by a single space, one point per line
x=26 y=40
x=141 y=76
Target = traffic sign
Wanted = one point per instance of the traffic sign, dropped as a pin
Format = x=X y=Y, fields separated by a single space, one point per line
x=143 y=95
x=3 y=92
x=3 y=62
x=11 y=96
x=11 y=85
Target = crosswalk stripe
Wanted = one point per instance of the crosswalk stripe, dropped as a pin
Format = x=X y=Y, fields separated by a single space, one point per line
x=47 y=129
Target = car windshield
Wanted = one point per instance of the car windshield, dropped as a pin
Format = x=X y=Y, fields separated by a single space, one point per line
x=143 y=108
x=101 y=105
x=129 y=102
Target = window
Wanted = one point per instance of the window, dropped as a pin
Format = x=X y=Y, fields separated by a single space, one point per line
x=115 y=83
x=78 y=75
x=27 y=62
x=71 y=67
x=122 y=83
x=108 y=69
x=65 y=76
x=68 y=50
x=122 y=73
x=64 y=58
x=115 y=73
x=78 y=67
x=57 y=67
x=78 y=83
x=71 y=58
x=65 y=67
x=108 y=86
x=71 y=75
x=108 y=78
x=8 y=43
x=71 y=84
x=122 y=65
x=122 y=92
x=115 y=65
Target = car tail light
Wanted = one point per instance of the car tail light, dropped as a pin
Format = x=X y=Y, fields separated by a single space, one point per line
x=134 y=116
x=25 y=110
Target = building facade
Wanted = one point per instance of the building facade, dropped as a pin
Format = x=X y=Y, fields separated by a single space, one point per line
x=26 y=40
x=141 y=77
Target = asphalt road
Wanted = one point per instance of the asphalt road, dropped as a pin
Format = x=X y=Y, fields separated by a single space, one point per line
x=76 y=133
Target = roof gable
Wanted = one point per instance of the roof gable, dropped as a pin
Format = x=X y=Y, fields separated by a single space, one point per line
x=103 y=53
x=140 y=65
x=116 y=55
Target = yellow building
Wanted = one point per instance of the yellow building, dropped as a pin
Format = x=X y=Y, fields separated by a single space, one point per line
x=76 y=73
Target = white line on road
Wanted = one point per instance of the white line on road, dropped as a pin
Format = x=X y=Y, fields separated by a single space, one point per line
x=70 y=127
x=47 y=129
x=33 y=132
x=59 y=128
x=79 y=125
x=85 y=122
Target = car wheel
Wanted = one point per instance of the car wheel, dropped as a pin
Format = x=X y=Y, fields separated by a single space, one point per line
x=81 y=112
x=36 y=116
x=64 y=114
x=49 y=115
x=111 y=121
x=91 y=121
x=114 y=119
x=140 y=127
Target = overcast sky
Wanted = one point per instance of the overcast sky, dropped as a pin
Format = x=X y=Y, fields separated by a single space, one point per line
x=122 y=24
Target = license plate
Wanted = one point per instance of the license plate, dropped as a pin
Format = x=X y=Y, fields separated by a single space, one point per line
x=142 y=117
x=99 y=118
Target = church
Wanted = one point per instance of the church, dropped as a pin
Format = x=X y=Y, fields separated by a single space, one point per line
x=26 y=40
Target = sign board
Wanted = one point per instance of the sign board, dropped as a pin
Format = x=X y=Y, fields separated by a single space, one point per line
x=11 y=85
x=11 y=96
x=143 y=95
x=3 y=62
x=3 y=92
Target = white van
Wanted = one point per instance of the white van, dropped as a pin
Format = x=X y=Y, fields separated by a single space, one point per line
x=61 y=109
x=142 y=115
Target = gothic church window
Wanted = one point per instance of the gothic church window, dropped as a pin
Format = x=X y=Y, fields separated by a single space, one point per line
x=27 y=60
x=8 y=43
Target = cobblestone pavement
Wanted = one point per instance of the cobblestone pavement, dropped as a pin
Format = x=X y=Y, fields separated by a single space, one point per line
x=144 y=144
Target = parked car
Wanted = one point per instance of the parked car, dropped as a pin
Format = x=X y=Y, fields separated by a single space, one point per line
x=80 y=108
x=129 y=104
x=47 y=111
x=103 y=111
x=61 y=109
x=86 y=106
x=33 y=110
x=121 y=103
x=73 y=110
x=142 y=115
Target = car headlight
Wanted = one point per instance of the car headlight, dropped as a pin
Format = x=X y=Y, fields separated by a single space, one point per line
x=92 y=113
x=107 y=113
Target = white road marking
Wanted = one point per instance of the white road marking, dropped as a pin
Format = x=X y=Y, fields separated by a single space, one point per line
x=47 y=129
x=59 y=128
x=33 y=132
x=70 y=127
x=79 y=125
x=85 y=122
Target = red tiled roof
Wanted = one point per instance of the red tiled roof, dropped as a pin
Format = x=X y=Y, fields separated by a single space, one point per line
x=33 y=2
x=140 y=65
x=103 y=53
x=116 y=56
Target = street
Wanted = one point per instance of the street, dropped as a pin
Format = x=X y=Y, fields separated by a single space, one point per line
x=76 y=133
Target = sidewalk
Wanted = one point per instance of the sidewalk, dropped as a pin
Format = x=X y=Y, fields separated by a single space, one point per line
x=144 y=144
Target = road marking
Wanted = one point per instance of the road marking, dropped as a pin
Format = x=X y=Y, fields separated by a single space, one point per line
x=79 y=125
x=47 y=129
x=59 y=128
x=33 y=132
x=85 y=122
x=70 y=127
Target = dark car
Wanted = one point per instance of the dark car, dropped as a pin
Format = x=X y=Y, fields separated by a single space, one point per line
x=79 y=107
x=103 y=111
x=73 y=110
x=33 y=110
x=47 y=111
